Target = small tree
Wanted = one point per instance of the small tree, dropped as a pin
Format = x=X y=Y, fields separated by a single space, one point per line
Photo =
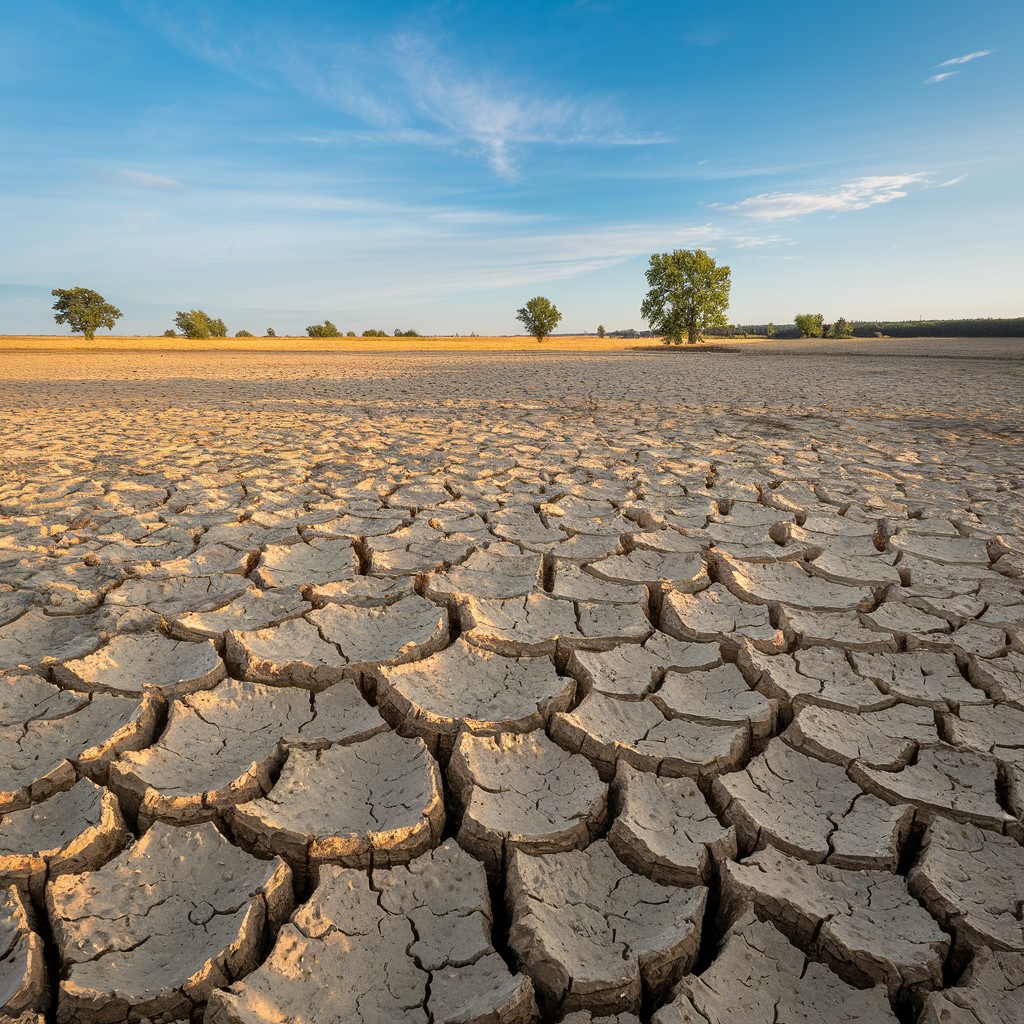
x=842 y=328
x=84 y=310
x=243 y=334
x=689 y=293
x=195 y=323
x=770 y=331
x=374 y=333
x=271 y=333
x=810 y=325
x=324 y=330
x=601 y=332
x=539 y=316
x=170 y=333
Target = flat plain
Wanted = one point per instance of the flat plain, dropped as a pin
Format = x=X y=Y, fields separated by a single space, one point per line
x=511 y=684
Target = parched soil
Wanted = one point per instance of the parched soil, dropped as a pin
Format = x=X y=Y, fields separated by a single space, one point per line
x=512 y=686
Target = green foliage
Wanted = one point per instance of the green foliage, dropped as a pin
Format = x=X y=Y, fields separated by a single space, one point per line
x=601 y=332
x=981 y=327
x=810 y=325
x=84 y=310
x=406 y=334
x=689 y=293
x=243 y=334
x=271 y=333
x=769 y=331
x=324 y=330
x=170 y=333
x=842 y=328
x=350 y=334
x=372 y=333
x=539 y=316
x=195 y=323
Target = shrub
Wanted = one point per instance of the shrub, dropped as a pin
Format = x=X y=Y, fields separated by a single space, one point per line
x=324 y=330
x=243 y=334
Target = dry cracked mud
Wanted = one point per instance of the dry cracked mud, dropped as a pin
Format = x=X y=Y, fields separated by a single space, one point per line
x=632 y=688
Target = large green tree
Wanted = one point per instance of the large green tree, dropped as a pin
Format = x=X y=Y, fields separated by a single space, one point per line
x=539 y=316
x=842 y=328
x=689 y=292
x=195 y=323
x=810 y=325
x=324 y=330
x=84 y=310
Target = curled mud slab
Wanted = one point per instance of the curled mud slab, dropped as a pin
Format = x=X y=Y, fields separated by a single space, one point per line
x=49 y=737
x=633 y=670
x=155 y=931
x=376 y=802
x=760 y=978
x=594 y=936
x=23 y=981
x=412 y=944
x=970 y=880
x=525 y=793
x=76 y=830
x=128 y=664
x=664 y=829
x=809 y=809
x=467 y=687
x=864 y=924
x=221 y=747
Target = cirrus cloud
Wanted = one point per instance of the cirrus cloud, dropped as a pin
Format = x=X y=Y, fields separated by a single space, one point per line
x=965 y=59
x=854 y=195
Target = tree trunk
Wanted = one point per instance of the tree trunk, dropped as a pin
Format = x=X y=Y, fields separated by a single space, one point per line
x=693 y=335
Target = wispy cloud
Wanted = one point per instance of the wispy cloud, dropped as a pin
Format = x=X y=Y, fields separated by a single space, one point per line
x=941 y=77
x=496 y=115
x=854 y=195
x=965 y=59
x=951 y=181
x=402 y=89
x=143 y=179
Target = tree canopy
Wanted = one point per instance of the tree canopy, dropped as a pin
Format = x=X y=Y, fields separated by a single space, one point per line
x=324 y=330
x=842 y=328
x=810 y=325
x=689 y=293
x=84 y=310
x=539 y=316
x=197 y=324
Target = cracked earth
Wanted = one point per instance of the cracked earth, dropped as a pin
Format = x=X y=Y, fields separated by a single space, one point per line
x=497 y=689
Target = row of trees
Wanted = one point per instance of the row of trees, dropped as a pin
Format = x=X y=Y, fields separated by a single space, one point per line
x=688 y=294
x=812 y=325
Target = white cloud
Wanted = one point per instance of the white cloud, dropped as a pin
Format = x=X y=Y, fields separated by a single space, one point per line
x=143 y=179
x=967 y=58
x=497 y=115
x=952 y=181
x=402 y=89
x=854 y=195
x=940 y=78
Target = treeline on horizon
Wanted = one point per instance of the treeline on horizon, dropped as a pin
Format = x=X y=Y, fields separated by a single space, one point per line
x=978 y=327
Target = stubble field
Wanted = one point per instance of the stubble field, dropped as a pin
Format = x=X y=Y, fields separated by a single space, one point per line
x=506 y=686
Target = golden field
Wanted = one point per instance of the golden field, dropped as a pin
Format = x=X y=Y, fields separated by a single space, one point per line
x=508 y=343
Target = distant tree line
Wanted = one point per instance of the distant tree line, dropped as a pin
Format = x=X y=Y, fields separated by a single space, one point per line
x=688 y=296
x=982 y=327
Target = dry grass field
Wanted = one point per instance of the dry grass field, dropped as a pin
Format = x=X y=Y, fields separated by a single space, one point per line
x=303 y=343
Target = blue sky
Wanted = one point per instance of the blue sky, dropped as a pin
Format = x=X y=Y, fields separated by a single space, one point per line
x=434 y=165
